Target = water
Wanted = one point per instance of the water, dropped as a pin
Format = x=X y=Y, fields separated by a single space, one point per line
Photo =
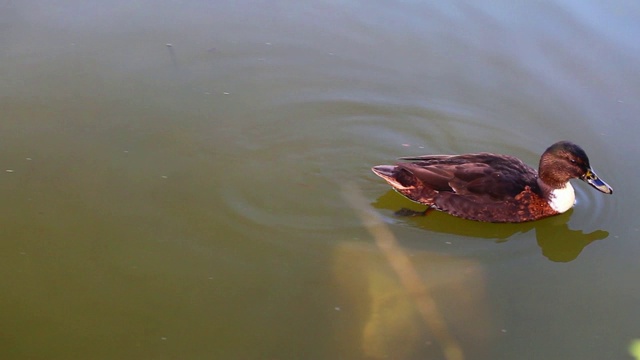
x=176 y=179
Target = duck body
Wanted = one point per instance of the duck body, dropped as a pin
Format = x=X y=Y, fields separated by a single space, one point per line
x=493 y=187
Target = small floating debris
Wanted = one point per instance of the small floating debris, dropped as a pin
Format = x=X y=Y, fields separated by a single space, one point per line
x=406 y=145
x=168 y=45
x=29 y=159
x=9 y=170
x=164 y=176
x=226 y=93
x=337 y=308
x=267 y=43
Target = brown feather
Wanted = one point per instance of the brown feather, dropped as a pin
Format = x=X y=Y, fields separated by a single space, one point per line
x=479 y=186
x=491 y=187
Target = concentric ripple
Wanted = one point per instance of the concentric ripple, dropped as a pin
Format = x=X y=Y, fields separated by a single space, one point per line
x=288 y=170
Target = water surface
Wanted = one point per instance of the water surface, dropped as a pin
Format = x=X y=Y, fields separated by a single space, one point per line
x=176 y=176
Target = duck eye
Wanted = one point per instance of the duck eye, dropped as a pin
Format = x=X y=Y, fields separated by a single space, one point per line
x=573 y=161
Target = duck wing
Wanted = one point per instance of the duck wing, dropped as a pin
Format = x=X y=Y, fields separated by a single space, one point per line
x=482 y=177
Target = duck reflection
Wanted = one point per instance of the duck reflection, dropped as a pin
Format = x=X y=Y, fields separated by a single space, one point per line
x=557 y=242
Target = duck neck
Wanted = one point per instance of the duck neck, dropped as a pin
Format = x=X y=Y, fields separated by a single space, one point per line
x=561 y=198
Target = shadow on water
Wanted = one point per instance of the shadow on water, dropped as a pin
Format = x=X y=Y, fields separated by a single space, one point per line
x=557 y=242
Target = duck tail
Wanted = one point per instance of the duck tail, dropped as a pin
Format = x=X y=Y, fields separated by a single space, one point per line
x=384 y=171
x=390 y=174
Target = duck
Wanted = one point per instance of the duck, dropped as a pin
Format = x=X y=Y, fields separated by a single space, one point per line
x=492 y=187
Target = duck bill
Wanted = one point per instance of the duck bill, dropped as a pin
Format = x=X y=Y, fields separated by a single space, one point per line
x=592 y=179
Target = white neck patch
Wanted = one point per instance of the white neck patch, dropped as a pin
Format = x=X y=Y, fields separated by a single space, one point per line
x=563 y=199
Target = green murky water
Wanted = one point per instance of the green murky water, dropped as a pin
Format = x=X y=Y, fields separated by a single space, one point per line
x=175 y=178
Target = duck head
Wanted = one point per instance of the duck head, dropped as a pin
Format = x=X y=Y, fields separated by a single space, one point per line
x=564 y=161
